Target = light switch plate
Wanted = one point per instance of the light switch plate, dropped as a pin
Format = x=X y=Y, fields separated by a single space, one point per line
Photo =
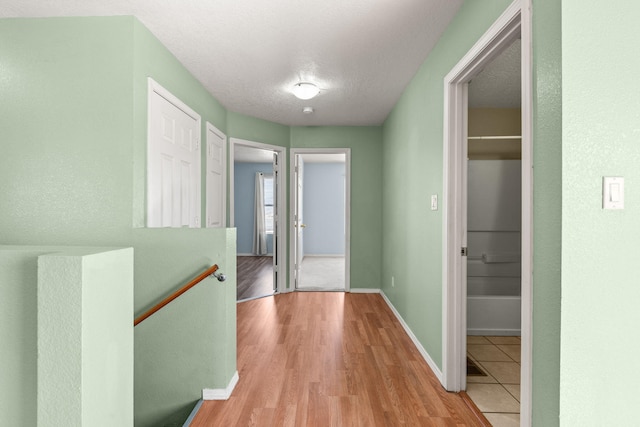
x=434 y=202
x=612 y=192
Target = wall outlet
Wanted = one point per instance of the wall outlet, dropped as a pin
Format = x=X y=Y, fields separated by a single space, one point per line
x=393 y=282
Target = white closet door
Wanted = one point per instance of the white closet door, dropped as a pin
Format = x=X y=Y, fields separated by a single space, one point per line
x=216 y=173
x=173 y=161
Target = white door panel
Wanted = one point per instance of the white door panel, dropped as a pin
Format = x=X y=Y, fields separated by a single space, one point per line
x=216 y=173
x=173 y=162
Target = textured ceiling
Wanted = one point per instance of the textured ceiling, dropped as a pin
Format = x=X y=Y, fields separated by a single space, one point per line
x=498 y=85
x=248 y=54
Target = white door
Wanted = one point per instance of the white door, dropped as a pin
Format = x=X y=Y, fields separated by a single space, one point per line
x=299 y=224
x=173 y=162
x=276 y=202
x=216 y=174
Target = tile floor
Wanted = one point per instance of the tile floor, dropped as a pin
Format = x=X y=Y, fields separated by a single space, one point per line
x=497 y=394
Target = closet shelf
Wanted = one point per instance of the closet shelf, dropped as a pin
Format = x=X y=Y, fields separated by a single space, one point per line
x=496 y=137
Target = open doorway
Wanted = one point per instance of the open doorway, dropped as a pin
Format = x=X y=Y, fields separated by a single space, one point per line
x=513 y=24
x=320 y=182
x=494 y=219
x=257 y=195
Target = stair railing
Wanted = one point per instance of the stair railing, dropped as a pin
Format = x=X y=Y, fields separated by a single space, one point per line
x=211 y=271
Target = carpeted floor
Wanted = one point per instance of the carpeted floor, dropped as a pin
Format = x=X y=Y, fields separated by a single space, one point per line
x=322 y=273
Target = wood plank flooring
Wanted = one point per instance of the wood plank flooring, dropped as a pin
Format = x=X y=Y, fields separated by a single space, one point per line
x=330 y=359
x=254 y=277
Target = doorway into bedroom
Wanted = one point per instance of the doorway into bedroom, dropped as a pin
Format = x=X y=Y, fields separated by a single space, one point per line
x=320 y=183
x=257 y=196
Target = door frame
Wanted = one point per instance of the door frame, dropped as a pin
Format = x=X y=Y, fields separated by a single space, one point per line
x=347 y=230
x=514 y=22
x=281 y=204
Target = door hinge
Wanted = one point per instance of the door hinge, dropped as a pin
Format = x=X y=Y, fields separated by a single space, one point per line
x=464 y=251
x=197 y=143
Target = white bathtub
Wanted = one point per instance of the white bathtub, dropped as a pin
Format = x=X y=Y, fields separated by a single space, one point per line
x=493 y=315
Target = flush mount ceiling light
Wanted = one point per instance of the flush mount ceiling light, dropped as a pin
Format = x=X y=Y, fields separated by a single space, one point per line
x=307 y=110
x=305 y=90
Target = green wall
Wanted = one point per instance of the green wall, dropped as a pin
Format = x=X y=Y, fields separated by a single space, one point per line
x=257 y=130
x=600 y=292
x=70 y=307
x=74 y=109
x=412 y=171
x=18 y=335
x=171 y=344
x=366 y=199
x=547 y=211
x=67 y=117
x=85 y=338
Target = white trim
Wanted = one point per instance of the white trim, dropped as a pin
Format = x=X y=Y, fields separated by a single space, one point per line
x=347 y=231
x=221 y=393
x=282 y=248
x=211 y=128
x=407 y=329
x=365 y=291
x=526 y=371
x=414 y=339
x=154 y=86
x=324 y=255
x=514 y=22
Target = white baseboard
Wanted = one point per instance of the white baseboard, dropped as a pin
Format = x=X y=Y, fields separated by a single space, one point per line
x=324 y=255
x=221 y=393
x=421 y=349
x=364 y=291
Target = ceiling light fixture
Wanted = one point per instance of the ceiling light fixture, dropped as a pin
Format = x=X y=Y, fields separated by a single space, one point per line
x=305 y=90
x=307 y=110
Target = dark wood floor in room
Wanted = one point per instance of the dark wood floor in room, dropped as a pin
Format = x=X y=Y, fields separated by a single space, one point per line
x=330 y=359
x=255 y=276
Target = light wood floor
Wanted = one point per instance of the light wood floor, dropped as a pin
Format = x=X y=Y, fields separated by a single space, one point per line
x=254 y=277
x=330 y=359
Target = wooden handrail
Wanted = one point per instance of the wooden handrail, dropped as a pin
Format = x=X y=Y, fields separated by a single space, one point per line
x=176 y=294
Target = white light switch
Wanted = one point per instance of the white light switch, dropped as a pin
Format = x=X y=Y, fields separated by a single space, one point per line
x=434 y=202
x=612 y=192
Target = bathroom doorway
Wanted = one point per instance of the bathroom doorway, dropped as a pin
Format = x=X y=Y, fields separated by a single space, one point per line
x=494 y=221
x=513 y=24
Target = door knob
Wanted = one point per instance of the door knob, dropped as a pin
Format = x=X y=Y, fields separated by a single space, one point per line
x=303 y=225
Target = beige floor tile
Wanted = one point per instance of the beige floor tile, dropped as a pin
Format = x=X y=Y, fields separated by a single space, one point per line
x=514 y=389
x=503 y=420
x=487 y=353
x=486 y=379
x=504 y=372
x=481 y=380
x=474 y=339
x=513 y=351
x=504 y=340
x=492 y=398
